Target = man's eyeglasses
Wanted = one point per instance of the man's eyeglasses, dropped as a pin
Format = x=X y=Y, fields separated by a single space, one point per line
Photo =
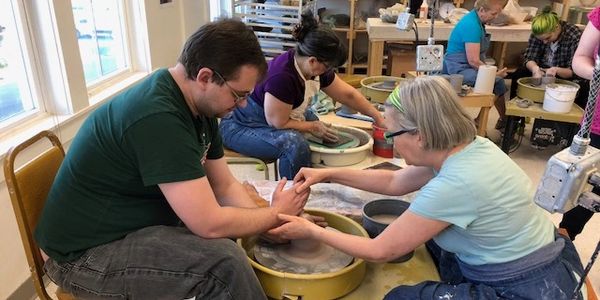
x=389 y=135
x=238 y=98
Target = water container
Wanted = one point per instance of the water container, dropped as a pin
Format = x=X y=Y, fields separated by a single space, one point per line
x=380 y=146
x=559 y=97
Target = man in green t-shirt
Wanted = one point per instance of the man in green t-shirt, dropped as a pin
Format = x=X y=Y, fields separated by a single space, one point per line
x=144 y=204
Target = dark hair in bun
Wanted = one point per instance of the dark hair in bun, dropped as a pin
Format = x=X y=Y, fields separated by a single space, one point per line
x=314 y=39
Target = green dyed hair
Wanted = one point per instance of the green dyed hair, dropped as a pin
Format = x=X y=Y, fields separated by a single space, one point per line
x=545 y=22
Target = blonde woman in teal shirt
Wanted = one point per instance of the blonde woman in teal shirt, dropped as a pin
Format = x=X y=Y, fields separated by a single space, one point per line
x=473 y=209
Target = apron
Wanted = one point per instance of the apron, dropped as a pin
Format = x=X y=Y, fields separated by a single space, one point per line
x=457 y=62
x=311 y=88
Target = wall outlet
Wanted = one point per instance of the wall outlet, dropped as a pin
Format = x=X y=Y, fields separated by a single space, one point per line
x=405 y=21
x=430 y=58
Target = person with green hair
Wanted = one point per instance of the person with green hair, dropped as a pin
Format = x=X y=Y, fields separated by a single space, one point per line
x=549 y=52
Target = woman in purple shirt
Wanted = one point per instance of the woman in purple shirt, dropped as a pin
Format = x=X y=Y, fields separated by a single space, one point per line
x=273 y=123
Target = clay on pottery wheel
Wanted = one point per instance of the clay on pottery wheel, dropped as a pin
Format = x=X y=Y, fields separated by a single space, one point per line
x=301 y=257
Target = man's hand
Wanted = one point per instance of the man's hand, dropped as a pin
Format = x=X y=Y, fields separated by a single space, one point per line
x=290 y=201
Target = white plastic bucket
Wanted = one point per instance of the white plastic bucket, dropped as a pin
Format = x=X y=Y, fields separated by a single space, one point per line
x=559 y=98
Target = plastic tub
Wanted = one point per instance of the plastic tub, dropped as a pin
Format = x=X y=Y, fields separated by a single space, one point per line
x=343 y=157
x=559 y=98
x=380 y=146
x=376 y=217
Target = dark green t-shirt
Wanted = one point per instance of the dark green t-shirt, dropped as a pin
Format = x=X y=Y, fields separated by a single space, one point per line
x=107 y=185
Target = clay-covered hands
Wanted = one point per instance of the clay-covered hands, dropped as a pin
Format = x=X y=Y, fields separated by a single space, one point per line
x=314 y=219
x=290 y=201
x=537 y=72
x=324 y=131
x=552 y=71
x=294 y=228
x=309 y=176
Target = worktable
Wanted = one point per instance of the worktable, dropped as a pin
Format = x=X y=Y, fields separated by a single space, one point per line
x=514 y=112
x=380 y=32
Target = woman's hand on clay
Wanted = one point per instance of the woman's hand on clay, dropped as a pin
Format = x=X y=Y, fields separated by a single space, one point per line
x=294 y=228
x=537 y=72
x=315 y=219
x=324 y=131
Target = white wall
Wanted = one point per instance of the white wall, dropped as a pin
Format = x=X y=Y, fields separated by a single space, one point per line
x=168 y=27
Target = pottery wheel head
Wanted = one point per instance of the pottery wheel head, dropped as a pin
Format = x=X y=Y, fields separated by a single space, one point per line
x=302 y=257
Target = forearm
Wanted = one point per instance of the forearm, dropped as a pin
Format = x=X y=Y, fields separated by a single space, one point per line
x=564 y=73
x=233 y=222
x=358 y=102
x=583 y=66
x=234 y=194
x=356 y=246
x=377 y=181
x=302 y=126
x=532 y=66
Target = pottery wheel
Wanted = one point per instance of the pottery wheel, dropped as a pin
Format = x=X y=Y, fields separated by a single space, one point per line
x=346 y=141
x=302 y=257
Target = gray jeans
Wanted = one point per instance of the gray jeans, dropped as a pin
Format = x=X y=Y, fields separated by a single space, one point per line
x=159 y=262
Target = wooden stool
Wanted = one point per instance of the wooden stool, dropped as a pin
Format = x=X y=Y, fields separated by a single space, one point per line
x=233 y=158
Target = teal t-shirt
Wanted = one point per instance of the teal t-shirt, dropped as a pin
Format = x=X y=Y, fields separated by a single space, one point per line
x=107 y=185
x=468 y=30
x=488 y=200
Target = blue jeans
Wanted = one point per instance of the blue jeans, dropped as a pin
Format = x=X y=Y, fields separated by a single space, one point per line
x=246 y=131
x=457 y=63
x=553 y=279
x=159 y=262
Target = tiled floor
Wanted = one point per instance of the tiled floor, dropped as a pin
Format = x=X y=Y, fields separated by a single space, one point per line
x=533 y=161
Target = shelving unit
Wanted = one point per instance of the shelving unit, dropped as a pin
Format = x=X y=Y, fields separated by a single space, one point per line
x=355 y=37
x=272 y=21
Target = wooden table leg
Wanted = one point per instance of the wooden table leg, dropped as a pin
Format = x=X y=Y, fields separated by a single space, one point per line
x=375 y=58
x=483 y=120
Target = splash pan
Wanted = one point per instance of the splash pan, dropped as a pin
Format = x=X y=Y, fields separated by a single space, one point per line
x=339 y=157
x=329 y=285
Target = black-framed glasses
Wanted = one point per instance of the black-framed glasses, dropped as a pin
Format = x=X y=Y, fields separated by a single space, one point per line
x=389 y=135
x=238 y=98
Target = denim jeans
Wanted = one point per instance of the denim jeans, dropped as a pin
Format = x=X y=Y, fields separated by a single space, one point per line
x=554 y=279
x=246 y=131
x=159 y=262
x=457 y=63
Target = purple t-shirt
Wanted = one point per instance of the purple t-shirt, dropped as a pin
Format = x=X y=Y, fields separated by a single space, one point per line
x=284 y=82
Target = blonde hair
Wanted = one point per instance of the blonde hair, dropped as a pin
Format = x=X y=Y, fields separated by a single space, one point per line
x=487 y=4
x=430 y=105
